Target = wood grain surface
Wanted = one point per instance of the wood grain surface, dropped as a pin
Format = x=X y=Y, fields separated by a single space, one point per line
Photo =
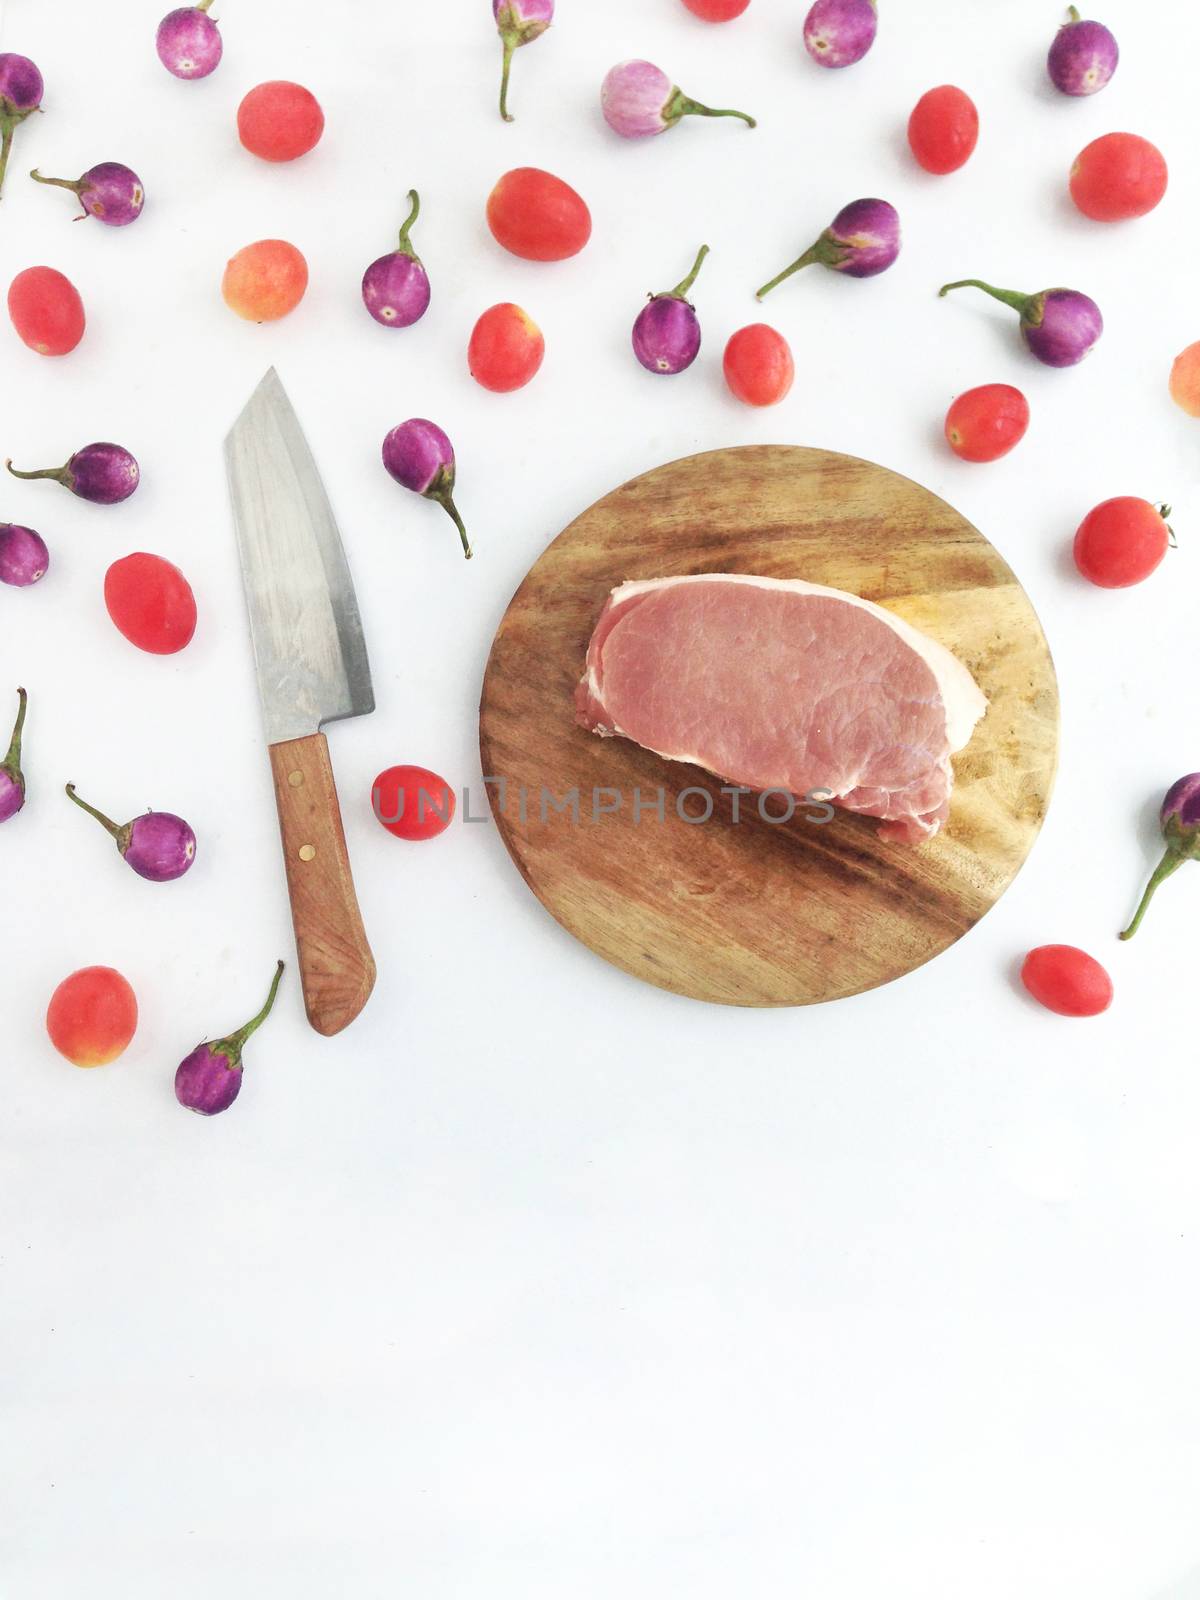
x=337 y=969
x=754 y=913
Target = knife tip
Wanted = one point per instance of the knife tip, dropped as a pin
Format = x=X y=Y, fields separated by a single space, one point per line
x=269 y=387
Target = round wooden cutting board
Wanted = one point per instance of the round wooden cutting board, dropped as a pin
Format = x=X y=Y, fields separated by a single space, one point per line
x=750 y=912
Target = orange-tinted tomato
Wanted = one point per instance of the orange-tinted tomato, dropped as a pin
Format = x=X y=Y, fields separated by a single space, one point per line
x=537 y=216
x=758 y=365
x=943 y=129
x=92 y=1016
x=265 y=280
x=46 y=311
x=151 y=603
x=1185 y=380
x=506 y=349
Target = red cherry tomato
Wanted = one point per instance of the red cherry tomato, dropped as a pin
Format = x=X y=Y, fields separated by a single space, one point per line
x=758 y=365
x=943 y=129
x=412 y=802
x=537 y=216
x=1122 y=541
x=716 y=10
x=92 y=1016
x=986 y=423
x=506 y=349
x=46 y=311
x=280 y=121
x=1117 y=177
x=1067 y=980
x=151 y=603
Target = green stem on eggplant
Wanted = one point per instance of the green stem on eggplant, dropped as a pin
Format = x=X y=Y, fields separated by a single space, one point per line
x=1170 y=863
x=239 y=1038
x=680 y=291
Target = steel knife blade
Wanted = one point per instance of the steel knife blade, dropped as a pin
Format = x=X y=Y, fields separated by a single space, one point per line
x=308 y=640
x=312 y=667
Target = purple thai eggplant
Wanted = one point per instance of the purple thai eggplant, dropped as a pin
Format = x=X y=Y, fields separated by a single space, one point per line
x=1060 y=326
x=861 y=241
x=666 y=335
x=102 y=473
x=1083 y=57
x=21 y=90
x=1179 y=818
x=837 y=33
x=518 y=22
x=210 y=1079
x=639 y=101
x=23 y=555
x=420 y=456
x=110 y=192
x=395 y=289
x=158 y=845
x=12 y=779
x=189 y=42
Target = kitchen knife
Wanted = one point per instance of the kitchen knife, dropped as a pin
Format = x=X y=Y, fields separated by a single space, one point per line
x=312 y=669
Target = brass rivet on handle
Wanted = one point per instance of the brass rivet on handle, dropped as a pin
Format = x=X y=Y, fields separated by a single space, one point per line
x=307 y=852
x=295 y=779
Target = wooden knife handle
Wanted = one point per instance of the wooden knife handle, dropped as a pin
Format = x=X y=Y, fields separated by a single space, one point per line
x=337 y=969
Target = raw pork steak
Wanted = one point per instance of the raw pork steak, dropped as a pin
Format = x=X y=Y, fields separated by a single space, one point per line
x=773 y=683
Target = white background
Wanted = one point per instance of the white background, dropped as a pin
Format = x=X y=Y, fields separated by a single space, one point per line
x=538 y=1282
